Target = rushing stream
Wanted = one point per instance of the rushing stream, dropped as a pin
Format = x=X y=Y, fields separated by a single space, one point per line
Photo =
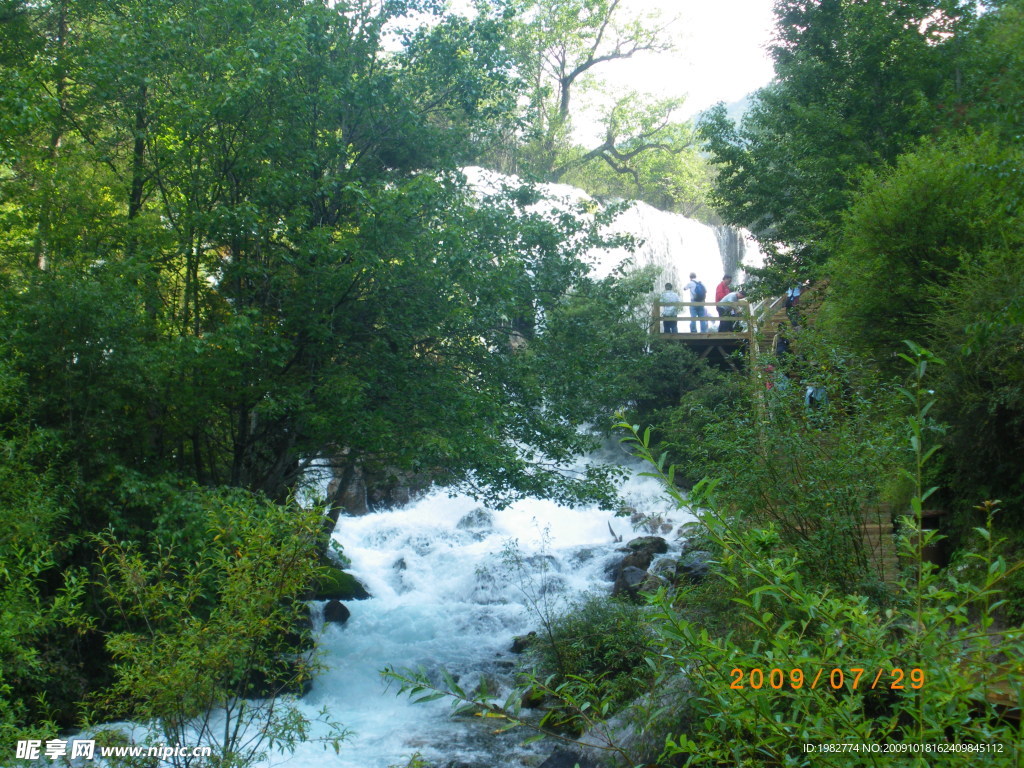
x=447 y=594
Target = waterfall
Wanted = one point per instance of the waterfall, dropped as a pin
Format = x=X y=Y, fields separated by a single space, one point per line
x=445 y=595
x=676 y=244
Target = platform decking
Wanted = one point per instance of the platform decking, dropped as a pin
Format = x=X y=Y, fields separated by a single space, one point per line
x=754 y=330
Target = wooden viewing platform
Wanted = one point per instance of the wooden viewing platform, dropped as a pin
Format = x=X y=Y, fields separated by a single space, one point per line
x=754 y=330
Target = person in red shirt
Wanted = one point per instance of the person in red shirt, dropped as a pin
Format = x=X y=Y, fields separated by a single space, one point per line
x=723 y=288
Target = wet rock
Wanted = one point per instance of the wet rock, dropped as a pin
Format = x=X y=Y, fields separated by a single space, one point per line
x=532 y=699
x=651 y=584
x=628 y=582
x=335 y=612
x=582 y=556
x=694 y=566
x=641 y=551
x=641 y=560
x=337 y=584
x=477 y=520
x=487 y=687
x=521 y=642
x=612 y=567
x=653 y=544
x=543 y=563
x=643 y=745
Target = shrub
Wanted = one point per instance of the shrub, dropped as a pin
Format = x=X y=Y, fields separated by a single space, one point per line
x=601 y=640
x=205 y=653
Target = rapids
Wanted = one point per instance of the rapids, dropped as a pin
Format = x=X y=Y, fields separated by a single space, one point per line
x=446 y=594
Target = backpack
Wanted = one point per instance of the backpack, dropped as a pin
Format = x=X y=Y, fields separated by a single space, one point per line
x=699 y=291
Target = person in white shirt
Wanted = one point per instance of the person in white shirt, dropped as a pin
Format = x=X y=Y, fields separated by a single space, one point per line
x=669 y=296
x=729 y=311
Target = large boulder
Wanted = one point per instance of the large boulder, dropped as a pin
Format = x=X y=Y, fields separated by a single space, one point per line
x=478 y=519
x=337 y=584
x=653 y=544
x=335 y=612
x=694 y=566
x=629 y=581
x=631 y=571
x=641 y=551
x=521 y=642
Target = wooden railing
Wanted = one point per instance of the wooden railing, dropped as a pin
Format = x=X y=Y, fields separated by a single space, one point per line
x=753 y=316
x=743 y=309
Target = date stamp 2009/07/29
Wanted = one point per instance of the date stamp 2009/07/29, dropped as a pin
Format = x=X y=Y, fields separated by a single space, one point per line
x=852 y=679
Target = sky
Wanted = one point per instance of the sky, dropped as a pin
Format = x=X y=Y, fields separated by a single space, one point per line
x=720 y=52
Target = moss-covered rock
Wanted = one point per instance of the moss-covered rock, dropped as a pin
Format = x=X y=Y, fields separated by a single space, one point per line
x=337 y=584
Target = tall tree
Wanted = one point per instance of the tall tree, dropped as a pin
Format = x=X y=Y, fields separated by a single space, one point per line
x=856 y=84
x=561 y=48
x=281 y=263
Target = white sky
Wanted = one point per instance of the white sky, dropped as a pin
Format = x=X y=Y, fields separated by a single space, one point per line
x=720 y=52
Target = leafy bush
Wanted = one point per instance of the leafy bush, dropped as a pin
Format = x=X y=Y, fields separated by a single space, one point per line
x=910 y=230
x=207 y=646
x=811 y=472
x=981 y=389
x=601 y=640
x=40 y=594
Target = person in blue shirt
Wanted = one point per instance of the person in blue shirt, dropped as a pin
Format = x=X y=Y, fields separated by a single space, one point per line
x=697 y=293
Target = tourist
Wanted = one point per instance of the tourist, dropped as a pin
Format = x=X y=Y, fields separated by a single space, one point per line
x=727 y=308
x=781 y=345
x=669 y=297
x=697 y=294
x=723 y=288
x=792 y=296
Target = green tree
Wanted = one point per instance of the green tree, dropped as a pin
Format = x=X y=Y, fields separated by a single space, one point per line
x=206 y=645
x=235 y=242
x=856 y=85
x=559 y=50
x=913 y=231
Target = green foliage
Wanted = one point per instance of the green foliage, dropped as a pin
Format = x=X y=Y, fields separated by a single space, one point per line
x=205 y=651
x=812 y=473
x=845 y=669
x=981 y=398
x=684 y=397
x=560 y=48
x=855 y=84
x=599 y=642
x=40 y=605
x=988 y=88
x=914 y=232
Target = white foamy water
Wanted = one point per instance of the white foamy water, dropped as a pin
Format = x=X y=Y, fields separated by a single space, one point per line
x=676 y=244
x=445 y=596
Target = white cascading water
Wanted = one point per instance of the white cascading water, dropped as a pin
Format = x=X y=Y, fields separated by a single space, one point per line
x=445 y=594
x=674 y=243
